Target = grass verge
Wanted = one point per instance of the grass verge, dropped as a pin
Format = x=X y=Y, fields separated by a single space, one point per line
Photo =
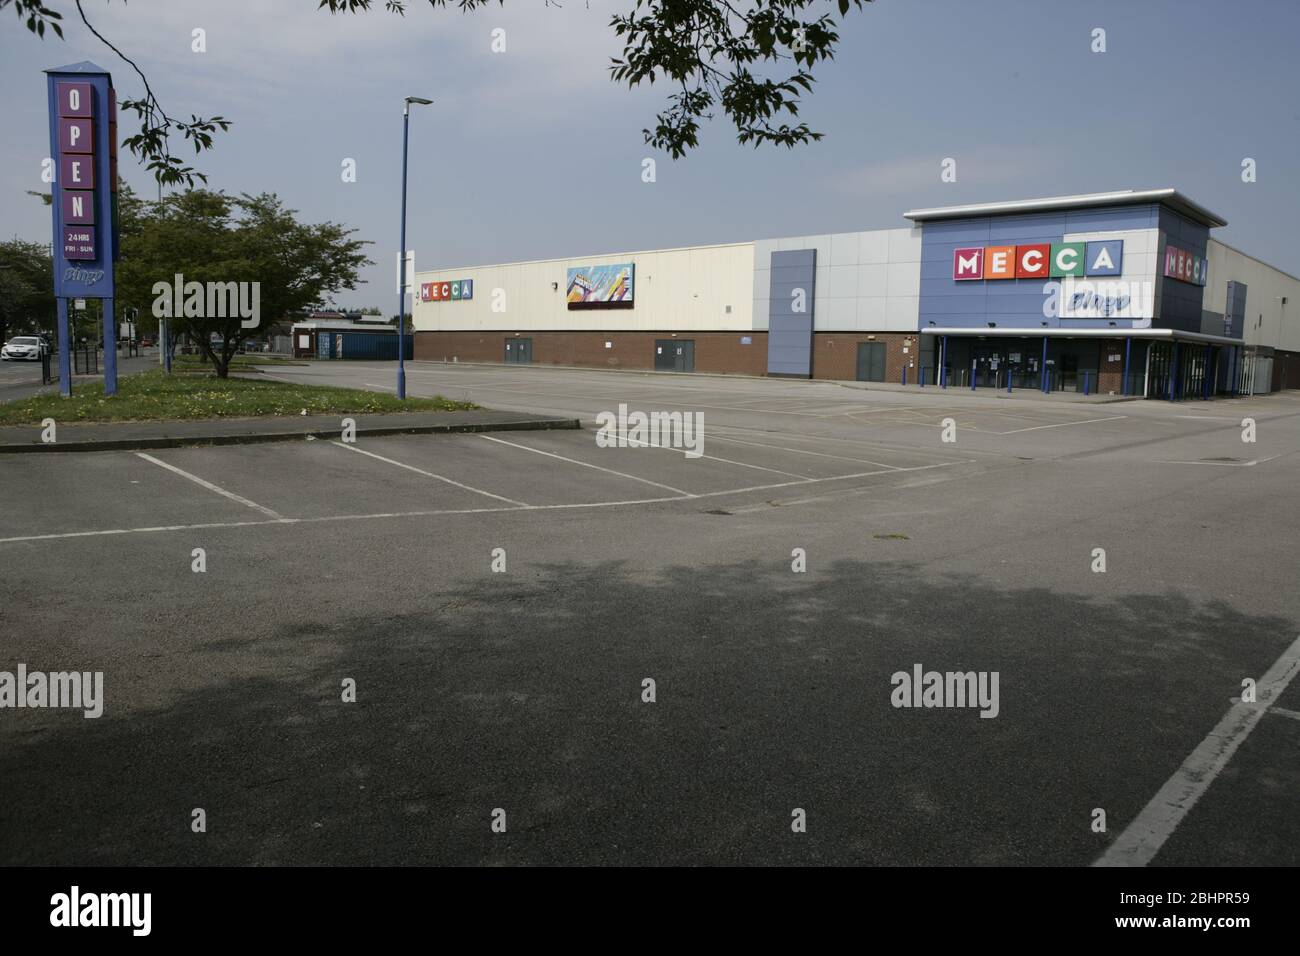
x=196 y=362
x=156 y=396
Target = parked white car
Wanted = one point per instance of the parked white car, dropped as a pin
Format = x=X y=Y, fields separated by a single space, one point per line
x=24 y=348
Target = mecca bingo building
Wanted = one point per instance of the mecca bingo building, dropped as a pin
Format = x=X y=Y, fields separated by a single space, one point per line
x=1121 y=293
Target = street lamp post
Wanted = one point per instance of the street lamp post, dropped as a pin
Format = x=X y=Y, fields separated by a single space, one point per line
x=401 y=251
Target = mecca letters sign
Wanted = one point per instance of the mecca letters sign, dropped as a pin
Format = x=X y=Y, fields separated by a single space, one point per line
x=1184 y=266
x=1040 y=260
x=457 y=290
x=83 y=145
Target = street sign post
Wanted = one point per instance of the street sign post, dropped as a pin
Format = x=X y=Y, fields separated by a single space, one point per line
x=83 y=140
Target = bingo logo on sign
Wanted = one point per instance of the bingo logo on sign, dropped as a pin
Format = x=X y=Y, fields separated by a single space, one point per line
x=1104 y=257
x=456 y=290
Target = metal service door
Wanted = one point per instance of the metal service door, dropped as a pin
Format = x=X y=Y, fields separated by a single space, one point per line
x=519 y=351
x=684 y=355
x=665 y=355
x=871 y=361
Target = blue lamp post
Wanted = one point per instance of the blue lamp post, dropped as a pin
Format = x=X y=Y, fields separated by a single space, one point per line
x=401 y=251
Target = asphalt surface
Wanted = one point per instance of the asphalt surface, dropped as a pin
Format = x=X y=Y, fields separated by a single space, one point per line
x=522 y=690
x=23 y=379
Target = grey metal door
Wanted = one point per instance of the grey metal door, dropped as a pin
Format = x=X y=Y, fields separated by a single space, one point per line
x=665 y=355
x=519 y=351
x=684 y=355
x=871 y=361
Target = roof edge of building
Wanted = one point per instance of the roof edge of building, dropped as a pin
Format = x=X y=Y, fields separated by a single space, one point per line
x=1125 y=197
x=588 y=258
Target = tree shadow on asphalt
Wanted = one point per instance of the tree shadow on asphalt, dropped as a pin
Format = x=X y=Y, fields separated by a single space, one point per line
x=773 y=692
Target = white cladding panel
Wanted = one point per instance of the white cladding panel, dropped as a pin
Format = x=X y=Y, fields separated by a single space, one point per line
x=866 y=281
x=1268 y=321
x=1136 y=281
x=702 y=288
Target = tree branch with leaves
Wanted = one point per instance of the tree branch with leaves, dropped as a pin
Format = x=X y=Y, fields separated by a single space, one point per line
x=712 y=53
x=152 y=145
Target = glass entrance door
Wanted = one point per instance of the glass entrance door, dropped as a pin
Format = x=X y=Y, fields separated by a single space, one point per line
x=1160 y=370
x=990 y=364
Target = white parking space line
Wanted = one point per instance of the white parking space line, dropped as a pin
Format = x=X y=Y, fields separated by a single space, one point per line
x=1223 y=464
x=429 y=474
x=1143 y=838
x=800 y=451
x=514 y=508
x=1086 y=421
x=820 y=438
x=728 y=461
x=1284 y=712
x=888 y=470
x=150 y=530
x=210 y=486
x=584 y=464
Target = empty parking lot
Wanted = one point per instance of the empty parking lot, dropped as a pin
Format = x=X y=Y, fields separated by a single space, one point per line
x=827 y=538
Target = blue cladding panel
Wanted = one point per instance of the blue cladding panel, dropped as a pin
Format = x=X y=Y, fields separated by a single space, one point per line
x=1010 y=230
x=1010 y=303
x=789 y=336
x=1107 y=219
x=1180 y=302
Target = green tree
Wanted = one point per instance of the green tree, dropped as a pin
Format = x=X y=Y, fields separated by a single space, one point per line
x=705 y=51
x=26 y=288
x=209 y=237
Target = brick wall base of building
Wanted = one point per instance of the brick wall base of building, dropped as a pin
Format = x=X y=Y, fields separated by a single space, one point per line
x=835 y=354
x=717 y=352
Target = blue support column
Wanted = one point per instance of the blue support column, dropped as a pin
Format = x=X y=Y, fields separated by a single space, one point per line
x=110 y=348
x=943 y=362
x=401 y=258
x=65 y=350
x=1205 y=373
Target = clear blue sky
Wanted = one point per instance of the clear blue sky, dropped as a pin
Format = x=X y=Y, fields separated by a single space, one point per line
x=534 y=152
